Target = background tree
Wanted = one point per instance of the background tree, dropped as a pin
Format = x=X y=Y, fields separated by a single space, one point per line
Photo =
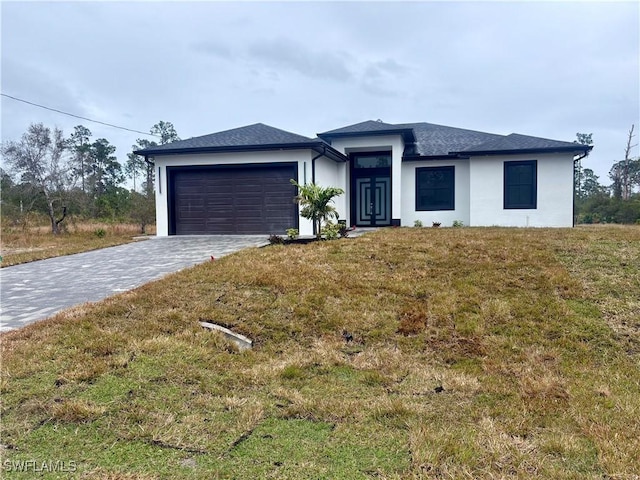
x=37 y=159
x=109 y=199
x=625 y=174
x=590 y=185
x=105 y=170
x=166 y=131
x=582 y=139
x=143 y=210
x=137 y=166
x=79 y=145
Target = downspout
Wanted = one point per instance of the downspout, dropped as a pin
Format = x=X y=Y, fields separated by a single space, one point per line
x=313 y=164
x=573 y=197
x=313 y=176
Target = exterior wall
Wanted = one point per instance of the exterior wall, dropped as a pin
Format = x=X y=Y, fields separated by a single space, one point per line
x=445 y=217
x=554 y=192
x=372 y=143
x=330 y=174
x=301 y=157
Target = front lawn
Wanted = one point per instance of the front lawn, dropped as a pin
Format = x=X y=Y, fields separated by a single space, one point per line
x=476 y=353
x=22 y=245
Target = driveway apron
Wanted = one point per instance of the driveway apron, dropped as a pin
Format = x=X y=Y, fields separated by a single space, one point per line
x=37 y=290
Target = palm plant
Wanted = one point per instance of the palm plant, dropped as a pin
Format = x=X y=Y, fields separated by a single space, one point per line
x=315 y=201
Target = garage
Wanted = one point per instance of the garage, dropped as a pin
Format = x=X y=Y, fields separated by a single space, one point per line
x=232 y=199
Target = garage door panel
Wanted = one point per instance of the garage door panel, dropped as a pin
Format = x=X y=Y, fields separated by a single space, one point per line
x=238 y=200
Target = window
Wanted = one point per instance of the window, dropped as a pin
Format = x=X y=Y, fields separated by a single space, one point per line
x=377 y=160
x=520 y=184
x=435 y=188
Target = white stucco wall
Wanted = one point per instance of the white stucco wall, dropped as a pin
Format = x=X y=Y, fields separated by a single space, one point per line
x=445 y=217
x=373 y=143
x=331 y=174
x=301 y=157
x=554 y=193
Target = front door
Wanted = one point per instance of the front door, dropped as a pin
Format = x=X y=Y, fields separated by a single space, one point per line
x=373 y=202
x=371 y=189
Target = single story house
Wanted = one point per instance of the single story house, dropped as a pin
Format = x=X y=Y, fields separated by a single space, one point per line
x=238 y=181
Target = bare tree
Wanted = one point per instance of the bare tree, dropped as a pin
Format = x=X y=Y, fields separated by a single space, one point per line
x=38 y=159
x=626 y=173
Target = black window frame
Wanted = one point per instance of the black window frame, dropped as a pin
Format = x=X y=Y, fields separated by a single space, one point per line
x=510 y=182
x=451 y=186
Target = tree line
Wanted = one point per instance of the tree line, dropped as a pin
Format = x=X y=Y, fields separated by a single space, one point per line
x=57 y=176
x=618 y=202
x=47 y=173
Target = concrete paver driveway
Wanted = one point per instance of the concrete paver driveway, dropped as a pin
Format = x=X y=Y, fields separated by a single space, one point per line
x=37 y=290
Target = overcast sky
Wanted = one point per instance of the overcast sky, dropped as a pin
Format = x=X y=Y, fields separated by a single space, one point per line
x=544 y=69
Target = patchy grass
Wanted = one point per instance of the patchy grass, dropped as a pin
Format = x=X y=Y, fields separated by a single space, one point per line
x=22 y=245
x=477 y=353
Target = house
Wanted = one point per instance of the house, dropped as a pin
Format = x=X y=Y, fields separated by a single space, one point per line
x=238 y=181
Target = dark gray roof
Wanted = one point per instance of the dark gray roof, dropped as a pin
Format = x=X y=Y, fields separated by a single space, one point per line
x=433 y=140
x=421 y=140
x=258 y=134
x=515 y=141
x=438 y=140
x=363 y=127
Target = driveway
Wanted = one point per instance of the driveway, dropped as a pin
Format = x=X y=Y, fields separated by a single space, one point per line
x=37 y=290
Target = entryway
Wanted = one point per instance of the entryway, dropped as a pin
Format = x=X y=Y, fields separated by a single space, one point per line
x=371 y=189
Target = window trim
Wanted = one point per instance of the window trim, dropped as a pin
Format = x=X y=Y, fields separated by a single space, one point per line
x=510 y=205
x=448 y=168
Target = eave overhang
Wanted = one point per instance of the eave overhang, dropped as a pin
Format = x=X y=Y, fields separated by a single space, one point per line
x=427 y=158
x=319 y=147
x=407 y=134
x=575 y=150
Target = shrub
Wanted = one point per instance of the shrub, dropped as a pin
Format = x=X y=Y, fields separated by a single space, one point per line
x=292 y=233
x=100 y=232
x=418 y=224
x=276 y=240
x=331 y=230
x=458 y=223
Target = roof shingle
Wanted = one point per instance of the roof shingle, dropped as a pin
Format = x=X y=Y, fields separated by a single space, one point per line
x=251 y=135
x=433 y=140
x=516 y=141
x=439 y=140
x=421 y=140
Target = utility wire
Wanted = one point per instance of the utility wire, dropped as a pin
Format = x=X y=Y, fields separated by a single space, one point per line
x=78 y=116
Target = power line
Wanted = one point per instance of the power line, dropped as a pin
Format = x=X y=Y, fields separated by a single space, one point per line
x=78 y=116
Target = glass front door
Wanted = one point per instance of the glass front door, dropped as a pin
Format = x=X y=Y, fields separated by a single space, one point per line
x=373 y=201
x=371 y=189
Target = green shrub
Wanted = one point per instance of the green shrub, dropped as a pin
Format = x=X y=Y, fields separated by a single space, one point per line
x=331 y=230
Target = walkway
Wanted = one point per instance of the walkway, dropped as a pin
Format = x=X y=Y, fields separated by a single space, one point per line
x=37 y=290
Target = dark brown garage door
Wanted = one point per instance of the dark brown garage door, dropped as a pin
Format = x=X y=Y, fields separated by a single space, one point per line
x=256 y=199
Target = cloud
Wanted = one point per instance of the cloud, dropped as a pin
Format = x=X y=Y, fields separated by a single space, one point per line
x=216 y=49
x=387 y=66
x=285 y=53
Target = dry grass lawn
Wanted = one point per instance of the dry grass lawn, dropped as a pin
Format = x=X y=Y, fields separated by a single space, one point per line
x=22 y=245
x=477 y=353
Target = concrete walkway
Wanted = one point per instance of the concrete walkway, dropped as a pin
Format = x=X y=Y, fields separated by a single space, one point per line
x=37 y=290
